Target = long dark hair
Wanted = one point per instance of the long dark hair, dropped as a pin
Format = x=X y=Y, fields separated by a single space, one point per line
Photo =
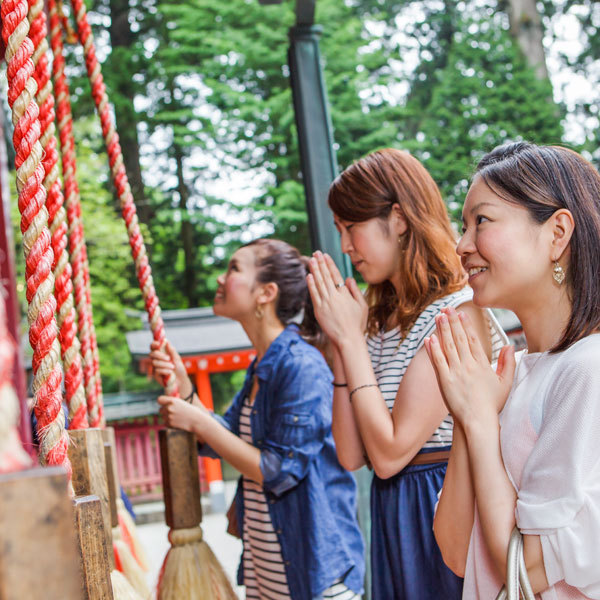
x=279 y=262
x=544 y=179
x=429 y=266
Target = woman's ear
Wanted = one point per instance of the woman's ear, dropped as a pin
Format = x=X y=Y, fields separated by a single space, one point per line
x=268 y=293
x=398 y=220
x=563 y=225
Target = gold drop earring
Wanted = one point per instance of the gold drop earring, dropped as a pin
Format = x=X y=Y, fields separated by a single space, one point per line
x=558 y=273
x=259 y=312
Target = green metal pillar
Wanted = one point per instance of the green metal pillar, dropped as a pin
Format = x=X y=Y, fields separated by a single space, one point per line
x=319 y=169
x=315 y=138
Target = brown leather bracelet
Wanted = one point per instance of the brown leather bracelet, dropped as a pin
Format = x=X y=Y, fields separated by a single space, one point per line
x=428 y=458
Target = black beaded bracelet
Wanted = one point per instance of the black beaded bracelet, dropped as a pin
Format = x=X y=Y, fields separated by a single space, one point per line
x=335 y=384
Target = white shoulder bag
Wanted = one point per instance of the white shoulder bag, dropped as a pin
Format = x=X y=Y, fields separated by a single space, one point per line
x=517 y=581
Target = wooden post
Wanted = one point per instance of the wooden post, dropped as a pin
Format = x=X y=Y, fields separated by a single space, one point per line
x=181 y=483
x=86 y=453
x=93 y=552
x=112 y=475
x=38 y=551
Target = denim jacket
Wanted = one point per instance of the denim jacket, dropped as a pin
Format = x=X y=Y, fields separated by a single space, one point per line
x=311 y=498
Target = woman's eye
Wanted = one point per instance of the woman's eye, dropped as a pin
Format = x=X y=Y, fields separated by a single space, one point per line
x=480 y=219
x=349 y=227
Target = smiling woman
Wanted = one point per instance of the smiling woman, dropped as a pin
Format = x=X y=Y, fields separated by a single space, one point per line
x=387 y=410
x=529 y=453
x=295 y=504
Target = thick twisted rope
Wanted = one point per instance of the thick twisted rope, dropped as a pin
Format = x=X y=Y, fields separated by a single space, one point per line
x=121 y=183
x=77 y=247
x=63 y=290
x=12 y=455
x=39 y=257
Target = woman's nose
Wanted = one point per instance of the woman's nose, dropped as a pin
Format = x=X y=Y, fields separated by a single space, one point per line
x=345 y=242
x=466 y=244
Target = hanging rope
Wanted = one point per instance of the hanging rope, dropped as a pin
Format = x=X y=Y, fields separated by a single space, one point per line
x=77 y=247
x=121 y=183
x=36 y=236
x=63 y=290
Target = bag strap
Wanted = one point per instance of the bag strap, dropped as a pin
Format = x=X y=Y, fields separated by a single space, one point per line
x=517 y=580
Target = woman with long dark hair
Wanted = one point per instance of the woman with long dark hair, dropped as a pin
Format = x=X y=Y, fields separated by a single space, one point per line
x=529 y=453
x=296 y=505
x=387 y=410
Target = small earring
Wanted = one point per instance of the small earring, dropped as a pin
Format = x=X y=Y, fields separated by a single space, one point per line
x=558 y=273
x=259 y=312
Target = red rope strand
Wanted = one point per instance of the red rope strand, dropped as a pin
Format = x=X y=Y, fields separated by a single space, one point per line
x=36 y=236
x=121 y=183
x=77 y=247
x=63 y=291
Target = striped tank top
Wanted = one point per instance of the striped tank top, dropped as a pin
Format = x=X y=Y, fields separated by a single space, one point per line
x=264 y=567
x=391 y=354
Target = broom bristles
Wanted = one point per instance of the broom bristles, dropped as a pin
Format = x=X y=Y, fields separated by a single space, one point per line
x=122 y=589
x=130 y=568
x=130 y=535
x=192 y=571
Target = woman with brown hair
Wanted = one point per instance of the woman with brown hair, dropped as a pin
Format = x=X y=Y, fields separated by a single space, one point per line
x=295 y=504
x=529 y=453
x=387 y=410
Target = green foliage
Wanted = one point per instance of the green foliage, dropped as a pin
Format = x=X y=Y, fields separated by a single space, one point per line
x=484 y=96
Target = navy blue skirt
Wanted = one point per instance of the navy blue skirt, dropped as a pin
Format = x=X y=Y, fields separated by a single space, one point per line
x=406 y=563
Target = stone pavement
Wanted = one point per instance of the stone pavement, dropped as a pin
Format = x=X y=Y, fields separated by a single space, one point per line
x=227 y=548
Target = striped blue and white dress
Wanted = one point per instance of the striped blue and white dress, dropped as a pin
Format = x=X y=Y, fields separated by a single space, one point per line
x=264 y=569
x=406 y=561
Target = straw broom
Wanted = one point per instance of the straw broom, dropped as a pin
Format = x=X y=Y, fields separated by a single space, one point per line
x=190 y=570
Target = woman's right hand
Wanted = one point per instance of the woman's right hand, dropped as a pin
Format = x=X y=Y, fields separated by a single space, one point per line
x=166 y=360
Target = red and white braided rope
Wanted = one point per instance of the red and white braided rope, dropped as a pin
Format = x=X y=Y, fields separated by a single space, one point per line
x=12 y=455
x=47 y=373
x=77 y=247
x=63 y=290
x=121 y=183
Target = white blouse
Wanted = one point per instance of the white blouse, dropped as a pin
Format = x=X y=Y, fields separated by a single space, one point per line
x=550 y=440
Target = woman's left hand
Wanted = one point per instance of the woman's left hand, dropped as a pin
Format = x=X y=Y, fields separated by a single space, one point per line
x=339 y=306
x=179 y=414
x=471 y=388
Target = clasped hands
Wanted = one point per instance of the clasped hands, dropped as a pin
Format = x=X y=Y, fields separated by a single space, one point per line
x=473 y=391
x=339 y=305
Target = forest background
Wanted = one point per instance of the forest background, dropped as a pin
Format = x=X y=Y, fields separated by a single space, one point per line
x=204 y=113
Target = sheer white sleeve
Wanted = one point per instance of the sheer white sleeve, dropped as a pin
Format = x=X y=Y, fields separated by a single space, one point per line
x=559 y=496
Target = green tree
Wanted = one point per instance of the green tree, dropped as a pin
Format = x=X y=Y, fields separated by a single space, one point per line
x=485 y=95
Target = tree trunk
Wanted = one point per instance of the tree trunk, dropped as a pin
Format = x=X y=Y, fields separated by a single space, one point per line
x=527 y=29
x=121 y=38
x=187 y=233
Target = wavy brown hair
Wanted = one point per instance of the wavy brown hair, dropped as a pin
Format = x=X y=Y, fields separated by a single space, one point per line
x=429 y=266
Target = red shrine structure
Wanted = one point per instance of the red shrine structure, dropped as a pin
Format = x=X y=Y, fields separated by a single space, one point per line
x=208 y=344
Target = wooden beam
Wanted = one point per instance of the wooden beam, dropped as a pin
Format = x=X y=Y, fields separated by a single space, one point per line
x=93 y=552
x=86 y=453
x=181 y=484
x=38 y=549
